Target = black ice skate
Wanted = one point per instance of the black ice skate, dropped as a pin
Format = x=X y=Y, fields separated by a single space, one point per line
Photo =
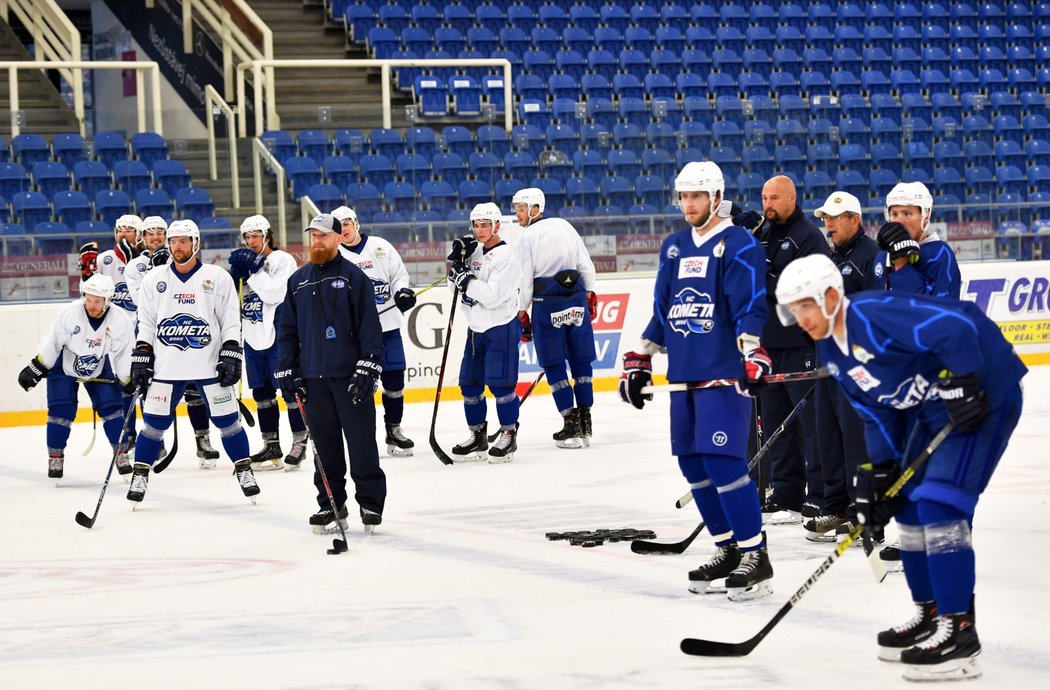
x=570 y=435
x=503 y=449
x=323 y=521
x=293 y=461
x=818 y=528
x=246 y=478
x=898 y=638
x=753 y=578
x=370 y=519
x=775 y=514
x=123 y=461
x=950 y=653
x=586 y=429
x=55 y=464
x=139 y=482
x=205 y=452
x=891 y=552
x=397 y=444
x=471 y=449
x=721 y=565
x=270 y=457
x=809 y=510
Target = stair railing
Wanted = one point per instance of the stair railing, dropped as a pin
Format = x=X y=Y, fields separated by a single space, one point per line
x=214 y=106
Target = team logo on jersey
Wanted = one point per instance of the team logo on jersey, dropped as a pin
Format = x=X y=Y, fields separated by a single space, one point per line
x=691 y=311
x=379 y=252
x=339 y=284
x=365 y=264
x=573 y=316
x=672 y=251
x=122 y=298
x=185 y=332
x=208 y=286
x=911 y=392
x=85 y=365
x=719 y=438
x=185 y=297
x=833 y=369
x=862 y=355
x=381 y=289
x=846 y=270
x=108 y=260
x=76 y=330
x=785 y=245
x=863 y=378
x=141 y=266
x=879 y=269
x=692 y=267
x=93 y=342
x=162 y=286
x=719 y=250
x=252 y=309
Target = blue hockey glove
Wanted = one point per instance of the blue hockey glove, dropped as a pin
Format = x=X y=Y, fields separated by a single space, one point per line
x=460 y=276
x=965 y=401
x=365 y=380
x=31 y=375
x=229 y=367
x=405 y=299
x=637 y=373
x=871 y=482
x=291 y=384
x=749 y=220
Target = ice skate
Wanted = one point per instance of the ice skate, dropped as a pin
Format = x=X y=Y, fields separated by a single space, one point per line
x=55 y=465
x=323 y=521
x=293 y=461
x=891 y=552
x=721 y=565
x=397 y=444
x=775 y=514
x=370 y=519
x=503 y=449
x=246 y=478
x=470 y=450
x=270 y=457
x=123 y=462
x=570 y=435
x=822 y=527
x=205 y=452
x=139 y=482
x=950 y=653
x=752 y=578
x=586 y=429
x=898 y=638
x=809 y=510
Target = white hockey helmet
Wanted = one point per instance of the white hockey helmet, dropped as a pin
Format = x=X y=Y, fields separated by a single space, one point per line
x=808 y=277
x=129 y=220
x=185 y=228
x=530 y=196
x=344 y=213
x=701 y=176
x=486 y=211
x=911 y=194
x=154 y=223
x=255 y=223
x=100 y=286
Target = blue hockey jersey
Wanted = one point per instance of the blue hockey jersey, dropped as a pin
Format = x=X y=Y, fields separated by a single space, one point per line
x=896 y=345
x=709 y=291
x=936 y=274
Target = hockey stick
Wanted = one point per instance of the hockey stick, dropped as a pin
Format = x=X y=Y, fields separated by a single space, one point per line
x=338 y=545
x=442 y=455
x=718 y=383
x=417 y=293
x=94 y=432
x=652 y=547
x=766 y=447
x=699 y=647
x=494 y=435
x=163 y=464
x=245 y=412
x=89 y=522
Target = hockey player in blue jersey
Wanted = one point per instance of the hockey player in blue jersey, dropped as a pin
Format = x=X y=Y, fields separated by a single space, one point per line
x=910 y=364
x=709 y=309
x=919 y=262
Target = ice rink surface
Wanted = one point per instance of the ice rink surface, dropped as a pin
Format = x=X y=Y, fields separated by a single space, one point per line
x=459 y=588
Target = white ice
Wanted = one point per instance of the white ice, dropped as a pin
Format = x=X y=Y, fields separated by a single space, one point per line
x=459 y=588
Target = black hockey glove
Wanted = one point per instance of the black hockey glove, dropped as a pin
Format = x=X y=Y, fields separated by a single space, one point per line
x=291 y=384
x=365 y=380
x=460 y=275
x=462 y=248
x=748 y=220
x=637 y=373
x=874 y=510
x=965 y=401
x=31 y=375
x=142 y=361
x=160 y=257
x=757 y=364
x=88 y=259
x=405 y=299
x=894 y=239
x=229 y=367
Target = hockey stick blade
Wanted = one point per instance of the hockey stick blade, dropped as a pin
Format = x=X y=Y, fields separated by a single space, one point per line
x=338 y=547
x=163 y=464
x=655 y=548
x=84 y=521
x=246 y=413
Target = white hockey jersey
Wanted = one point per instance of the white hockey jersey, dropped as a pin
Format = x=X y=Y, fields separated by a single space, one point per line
x=187 y=318
x=134 y=272
x=548 y=246
x=83 y=348
x=263 y=295
x=109 y=264
x=495 y=287
x=384 y=267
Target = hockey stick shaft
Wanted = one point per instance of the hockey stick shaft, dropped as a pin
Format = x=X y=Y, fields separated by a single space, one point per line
x=82 y=519
x=94 y=432
x=495 y=434
x=245 y=412
x=720 y=383
x=417 y=293
x=766 y=447
x=700 y=647
x=442 y=455
x=338 y=546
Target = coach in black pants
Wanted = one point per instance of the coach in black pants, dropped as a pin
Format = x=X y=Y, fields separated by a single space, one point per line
x=331 y=346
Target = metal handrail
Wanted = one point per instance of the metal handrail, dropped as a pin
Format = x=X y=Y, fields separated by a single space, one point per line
x=212 y=100
x=265 y=89
x=261 y=153
x=235 y=42
x=12 y=68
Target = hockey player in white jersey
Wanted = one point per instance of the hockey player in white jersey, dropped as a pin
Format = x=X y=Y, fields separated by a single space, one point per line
x=88 y=343
x=186 y=310
x=558 y=282
x=486 y=272
x=384 y=267
x=261 y=272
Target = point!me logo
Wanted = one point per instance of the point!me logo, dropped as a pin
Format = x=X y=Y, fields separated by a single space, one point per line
x=607 y=325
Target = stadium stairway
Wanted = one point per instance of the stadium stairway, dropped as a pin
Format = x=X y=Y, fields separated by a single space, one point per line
x=301 y=32
x=46 y=112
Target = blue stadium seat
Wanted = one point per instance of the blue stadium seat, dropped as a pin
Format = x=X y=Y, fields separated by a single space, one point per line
x=601 y=111
x=696 y=61
x=562 y=137
x=170 y=175
x=589 y=164
x=90 y=177
x=949 y=181
x=669 y=38
x=30 y=149
x=421 y=140
x=314 y=143
x=110 y=147
x=538 y=63
x=577 y=38
x=627 y=86
x=364 y=198
x=553 y=192
x=570 y=63
x=614 y=15
x=757 y=60
x=449 y=39
x=481 y=38
x=51 y=178
x=616 y=188
x=195 y=203
x=132 y=176
x=14 y=240
x=400 y=197
x=490 y=17
x=72 y=207
x=153 y=202
x=553 y=17
x=519 y=164
x=485 y=165
x=68 y=148
x=652 y=189
x=412 y=167
x=493 y=89
x=340 y=170
x=30 y=208
x=473 y=192
x=1037 y=152
x=438 y=195
x=534 y=111
x=278 y=142
x=493 y=139
x=302 y=172
x=350 y=142
x=148 y=147
x=430 y=93
x=660 y=135
x=583 y=192
x=386 y=142
x=53 y=238
x=624 y=163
